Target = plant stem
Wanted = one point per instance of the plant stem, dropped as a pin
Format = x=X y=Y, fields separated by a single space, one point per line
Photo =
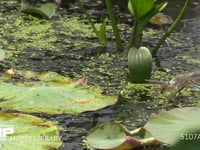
x=171 y=28
x=88 y=17
x=118 y=41
x=136 y=35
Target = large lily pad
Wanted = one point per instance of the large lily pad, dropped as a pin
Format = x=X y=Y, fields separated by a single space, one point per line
x=53 y=94
x=170 y=126
x=30 y=132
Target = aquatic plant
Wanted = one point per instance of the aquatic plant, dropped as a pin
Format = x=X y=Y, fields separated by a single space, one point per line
x=142 y=14
x=51 y=93
x=29 y=132
x=101 y=33
x=170 y=29
x=109 y=6
x=167 y=128
x=139 y=64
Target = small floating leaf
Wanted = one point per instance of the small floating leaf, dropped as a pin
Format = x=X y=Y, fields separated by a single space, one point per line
x=46 y=10
x=107 y=136
x=113 y=136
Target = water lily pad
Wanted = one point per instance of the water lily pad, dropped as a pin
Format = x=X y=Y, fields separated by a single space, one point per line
x=30 y=133
x=115 y=136
x=170 y=126
x=52 y=94
x=107 y=136
x=46 y=10
x=177 y=127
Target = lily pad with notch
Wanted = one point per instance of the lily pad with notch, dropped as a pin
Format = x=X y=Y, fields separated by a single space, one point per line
x=52 y=94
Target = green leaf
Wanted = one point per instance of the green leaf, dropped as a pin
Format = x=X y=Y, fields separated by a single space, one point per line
x=102 y=32
x=46 y=10
x=30 y=133
x=180 y=125
x=114 y=136
x=145 y=19
x=107 y=136
x=169 y=126
x=146 y=8
x=143 y=11
x=53 y=94
x=130 y=8
x=161 y=6
x=140 y=7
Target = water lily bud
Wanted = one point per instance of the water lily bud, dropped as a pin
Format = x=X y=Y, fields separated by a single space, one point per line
x=140 y=64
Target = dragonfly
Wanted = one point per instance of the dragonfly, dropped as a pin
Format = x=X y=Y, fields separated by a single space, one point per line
x=178 y=83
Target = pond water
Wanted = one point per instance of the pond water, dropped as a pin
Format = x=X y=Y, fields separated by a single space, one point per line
x=135 y=106
x=134 y=112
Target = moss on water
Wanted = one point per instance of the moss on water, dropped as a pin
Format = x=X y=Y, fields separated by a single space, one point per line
x=41 y=34
x=26 y=31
